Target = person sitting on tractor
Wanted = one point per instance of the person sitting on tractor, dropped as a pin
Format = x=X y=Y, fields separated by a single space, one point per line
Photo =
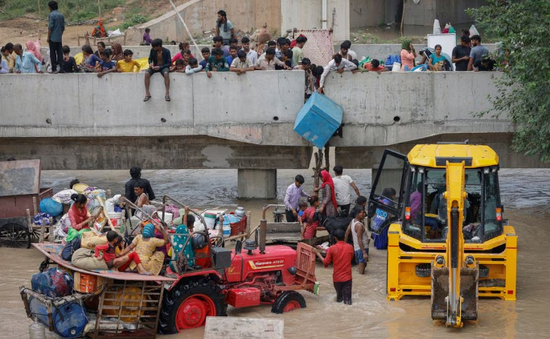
x=183 y=232
x=145 y=245
x=99 y=30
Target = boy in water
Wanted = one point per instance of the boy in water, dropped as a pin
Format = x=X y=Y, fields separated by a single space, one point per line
x=108 y=253
x=340 y=254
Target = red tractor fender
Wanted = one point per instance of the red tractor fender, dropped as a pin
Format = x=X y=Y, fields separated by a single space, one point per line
x=202 y=273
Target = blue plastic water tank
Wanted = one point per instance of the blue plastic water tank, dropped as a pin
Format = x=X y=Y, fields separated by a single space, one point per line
x=69 y=319
x=318 y=119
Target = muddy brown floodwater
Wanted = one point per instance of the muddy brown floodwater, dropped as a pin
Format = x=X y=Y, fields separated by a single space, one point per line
x=525 y=194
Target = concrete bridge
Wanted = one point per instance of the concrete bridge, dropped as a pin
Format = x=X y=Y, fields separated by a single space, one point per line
x=80 y=121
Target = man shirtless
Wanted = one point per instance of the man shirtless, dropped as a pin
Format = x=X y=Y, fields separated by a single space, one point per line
x=360 y=240
x=159 y=61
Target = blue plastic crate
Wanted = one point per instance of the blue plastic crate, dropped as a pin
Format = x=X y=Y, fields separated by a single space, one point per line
x=318 y=119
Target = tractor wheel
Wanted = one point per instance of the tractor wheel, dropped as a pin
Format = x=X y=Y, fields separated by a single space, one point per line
x=15 y=235
x=288 y=301
x=188 y=305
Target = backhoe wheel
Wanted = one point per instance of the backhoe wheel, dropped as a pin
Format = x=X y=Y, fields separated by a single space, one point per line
x=288 y=301
x=188 y=305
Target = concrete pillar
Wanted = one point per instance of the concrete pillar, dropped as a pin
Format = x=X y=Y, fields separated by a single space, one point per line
x=257 y=183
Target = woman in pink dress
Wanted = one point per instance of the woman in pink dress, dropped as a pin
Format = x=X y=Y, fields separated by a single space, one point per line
x=408 y=54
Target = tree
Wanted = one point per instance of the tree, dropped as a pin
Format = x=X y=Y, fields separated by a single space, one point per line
x=523 y=28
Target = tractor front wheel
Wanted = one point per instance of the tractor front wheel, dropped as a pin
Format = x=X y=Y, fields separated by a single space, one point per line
x=288 y=301
x=188 y=305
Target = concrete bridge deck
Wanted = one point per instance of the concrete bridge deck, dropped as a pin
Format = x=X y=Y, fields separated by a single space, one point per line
x=80 y=121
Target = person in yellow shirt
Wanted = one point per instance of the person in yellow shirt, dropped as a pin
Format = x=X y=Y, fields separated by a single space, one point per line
x=127 y=65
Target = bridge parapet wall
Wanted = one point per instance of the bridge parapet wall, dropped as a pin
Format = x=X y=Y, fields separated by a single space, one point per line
x=256 y=108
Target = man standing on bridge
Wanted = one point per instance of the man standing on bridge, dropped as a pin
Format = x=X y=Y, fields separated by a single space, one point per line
x=56 y=27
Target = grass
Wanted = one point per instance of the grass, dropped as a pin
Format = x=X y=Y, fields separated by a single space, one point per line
x=75 y=11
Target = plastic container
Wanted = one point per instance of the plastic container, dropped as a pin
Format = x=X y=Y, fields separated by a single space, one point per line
x=37 y=330
x=240 y=212
x=318 y=119
x=167 y=216
x=226 y=230
x=210 y=220
x=116 y=218
x=68 y=319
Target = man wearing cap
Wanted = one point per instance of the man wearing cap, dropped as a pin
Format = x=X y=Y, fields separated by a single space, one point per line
x=135 y=173
x=292 y=198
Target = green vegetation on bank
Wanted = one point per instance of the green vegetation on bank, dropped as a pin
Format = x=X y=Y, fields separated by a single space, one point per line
x=524 y=49
x=75 y=11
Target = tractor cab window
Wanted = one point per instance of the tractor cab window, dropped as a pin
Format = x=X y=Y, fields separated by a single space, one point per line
x=426 y=208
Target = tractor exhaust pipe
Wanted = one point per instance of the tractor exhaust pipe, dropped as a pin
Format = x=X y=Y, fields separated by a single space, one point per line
x=263 y=229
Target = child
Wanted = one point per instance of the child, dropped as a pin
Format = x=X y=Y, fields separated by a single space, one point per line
x=128 y=65
x=107 y=251
x=106 y=65
x=186 y=56
x=287 y=59
x=179 y=67
x=90 y=59
x=232 y=54
x=69 y=65
x=340 y=254
x=302 y=207
x=309 y=231
x=216 y=63
x=193 y=67
x=205 y=55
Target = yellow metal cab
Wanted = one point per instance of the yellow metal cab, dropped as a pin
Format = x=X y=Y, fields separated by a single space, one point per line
x=424 y=258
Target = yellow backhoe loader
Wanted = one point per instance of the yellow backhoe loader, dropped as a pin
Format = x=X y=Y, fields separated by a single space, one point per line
x=446 y=235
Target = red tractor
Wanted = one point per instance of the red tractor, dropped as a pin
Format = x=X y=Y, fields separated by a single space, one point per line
x=245 y=276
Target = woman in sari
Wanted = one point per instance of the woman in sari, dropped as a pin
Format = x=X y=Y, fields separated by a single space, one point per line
x=145 y=246
x=328 y=197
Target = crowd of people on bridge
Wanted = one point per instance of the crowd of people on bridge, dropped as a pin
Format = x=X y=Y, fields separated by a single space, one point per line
x=227 y=54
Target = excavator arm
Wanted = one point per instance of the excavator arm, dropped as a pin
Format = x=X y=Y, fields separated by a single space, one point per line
x=454 y=275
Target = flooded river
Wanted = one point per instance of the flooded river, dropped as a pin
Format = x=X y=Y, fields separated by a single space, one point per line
x=525 y=194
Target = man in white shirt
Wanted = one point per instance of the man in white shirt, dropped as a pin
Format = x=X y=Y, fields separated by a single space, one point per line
x=336 y=64
x=342 y=184
x=251 y=54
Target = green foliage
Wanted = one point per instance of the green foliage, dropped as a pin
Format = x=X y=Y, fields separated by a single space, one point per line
x=523 y=91
x=74 y=10
x=133 y=20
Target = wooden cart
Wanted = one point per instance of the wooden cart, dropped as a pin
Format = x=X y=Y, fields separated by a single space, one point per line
x=20 y=195
x=128 y=304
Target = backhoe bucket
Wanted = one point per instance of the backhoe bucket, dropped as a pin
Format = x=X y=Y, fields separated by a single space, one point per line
x=440 y=291
x=469 y=278
x=468 y=290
